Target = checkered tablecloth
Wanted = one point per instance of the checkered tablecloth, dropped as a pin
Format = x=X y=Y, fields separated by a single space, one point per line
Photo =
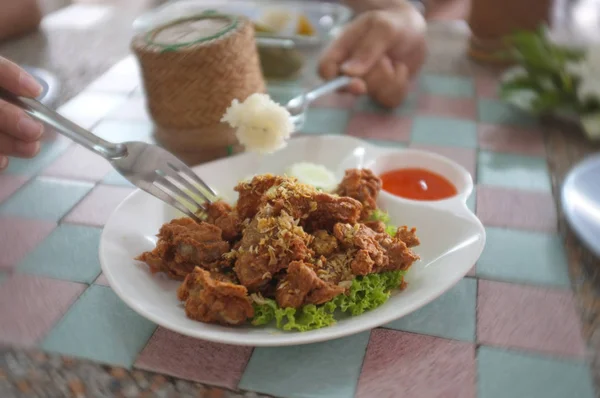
x=508 y=329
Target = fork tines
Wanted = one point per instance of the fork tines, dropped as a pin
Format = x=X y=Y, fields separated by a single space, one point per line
x=183 y=189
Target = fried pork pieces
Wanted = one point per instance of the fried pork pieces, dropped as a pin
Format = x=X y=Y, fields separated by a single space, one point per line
x=283 y=240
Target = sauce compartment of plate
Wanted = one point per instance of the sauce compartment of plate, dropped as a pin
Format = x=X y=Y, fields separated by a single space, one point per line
x=432 y=163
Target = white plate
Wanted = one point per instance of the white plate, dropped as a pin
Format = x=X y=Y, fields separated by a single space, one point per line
x=452 y=240
x=581 y=201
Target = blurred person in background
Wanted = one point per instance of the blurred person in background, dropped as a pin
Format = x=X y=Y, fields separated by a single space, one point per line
x=383 y=47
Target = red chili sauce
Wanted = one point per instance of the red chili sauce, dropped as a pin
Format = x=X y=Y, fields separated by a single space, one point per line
x=417 y=184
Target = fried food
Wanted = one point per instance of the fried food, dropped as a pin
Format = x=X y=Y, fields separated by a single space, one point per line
x=184 y=244
x=316 y=210
x=362 y=185
x=225 y=217
x=301 y=286
x=268 y=245
x=210 y=300
x=251 y=194
x=283 y=241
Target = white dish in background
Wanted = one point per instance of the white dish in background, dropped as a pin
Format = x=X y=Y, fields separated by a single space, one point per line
x=581 y=201
x=452 y=239
x=326 y=18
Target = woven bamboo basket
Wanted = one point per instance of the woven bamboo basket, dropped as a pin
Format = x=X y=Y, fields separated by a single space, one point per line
x=192 y=69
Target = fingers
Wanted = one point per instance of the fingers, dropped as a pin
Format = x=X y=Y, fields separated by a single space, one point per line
x=17 y=81
x=369 y=48
x=15 y=123
x=387 y=82
x=19 y=134
x=340 y=49
x=10 y=146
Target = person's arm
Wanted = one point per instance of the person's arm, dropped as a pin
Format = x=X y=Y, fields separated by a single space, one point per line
x=18 y=17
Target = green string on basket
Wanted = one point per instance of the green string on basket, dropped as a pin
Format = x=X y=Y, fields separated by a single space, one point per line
x=209 y=14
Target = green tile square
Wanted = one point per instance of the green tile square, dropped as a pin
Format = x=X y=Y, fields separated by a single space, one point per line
x=329 y=370
x=524 y=257
x=45 y=198
x=326 y=121
x=388 y=144
x=100 y=327
x=472 y=200
x=493 y=111
x=503 y=373
x=450 y=316
x=125 y=130
x=115 y=178
x=513 y=171
x=70 y=252
x=49 y=151
x=284 y=92
x=444 y=131
x=366 y=104
x=3 y=276
x=449 y=86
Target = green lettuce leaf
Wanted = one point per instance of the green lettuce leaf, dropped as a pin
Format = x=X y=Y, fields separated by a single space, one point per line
x=307 y=318
x=369 y=292
x=365 y=294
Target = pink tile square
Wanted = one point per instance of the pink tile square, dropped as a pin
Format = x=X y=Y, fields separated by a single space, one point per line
x=336 y=100
x=530 y=318
x=486 y=86
x=414 y=366
x=9 y=185
x=192 y=359
x=465 y=108
x=101 y=280
x=378 y=126
x=466 y=157
x=95 y=208
x=31 y=305
x=514 y=208
x=511 y=139
x=80 y=164
x=18 y=236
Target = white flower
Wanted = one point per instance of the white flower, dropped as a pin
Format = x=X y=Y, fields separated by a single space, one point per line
x=261 y=124
x=513 y=73
x=591 y=126
x=588 y=70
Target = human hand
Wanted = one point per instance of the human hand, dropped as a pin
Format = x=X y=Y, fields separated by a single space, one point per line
x=382 y=49
x=19 y=134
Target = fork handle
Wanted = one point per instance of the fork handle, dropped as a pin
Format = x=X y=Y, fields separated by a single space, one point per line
x=328 y=87
x=42 y=113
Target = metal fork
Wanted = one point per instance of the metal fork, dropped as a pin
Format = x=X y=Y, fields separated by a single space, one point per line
x=146 y=166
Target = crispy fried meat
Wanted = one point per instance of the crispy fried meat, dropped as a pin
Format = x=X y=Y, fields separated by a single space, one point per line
x=223 y=216
x=315 y=210
x=268 y=245
x=324 y=243
x=182 y=245
x=302 y=286
x=362 y=185
x=251 y=193
x=208 y=299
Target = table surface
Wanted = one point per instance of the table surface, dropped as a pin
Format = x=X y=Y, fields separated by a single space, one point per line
x=512 y=328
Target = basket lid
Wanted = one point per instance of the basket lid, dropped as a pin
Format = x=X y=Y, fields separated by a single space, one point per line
x=190 y=31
